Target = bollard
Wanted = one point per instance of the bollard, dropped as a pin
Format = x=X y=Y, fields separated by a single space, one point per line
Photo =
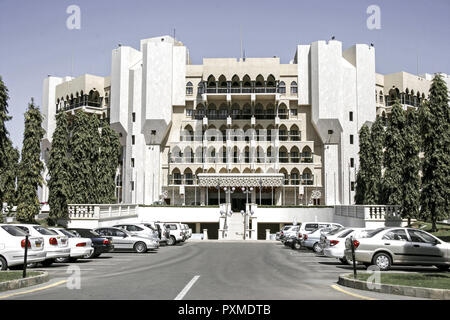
x=267 y=234
x=353 y=258
x=24 y=275
x=205 y=234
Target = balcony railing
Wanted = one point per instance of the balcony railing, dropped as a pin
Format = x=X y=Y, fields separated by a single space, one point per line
x=243 y=90
x=80 y=103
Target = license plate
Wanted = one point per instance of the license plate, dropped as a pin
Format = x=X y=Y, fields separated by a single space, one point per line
x=38 y=244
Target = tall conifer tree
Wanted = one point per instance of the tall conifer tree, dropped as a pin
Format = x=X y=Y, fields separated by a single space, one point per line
x=435 y=127
x=377 y=135
x=31 y=166
x=411 y=167
x=394 y=157
x=365 y=165
x=58 y=169
x=109 y=161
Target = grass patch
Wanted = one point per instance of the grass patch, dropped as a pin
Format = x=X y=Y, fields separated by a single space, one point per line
x=13 y=275
x=425 y=280
x=442 y=233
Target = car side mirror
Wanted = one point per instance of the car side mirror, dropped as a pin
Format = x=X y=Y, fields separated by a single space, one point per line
x=436 y=242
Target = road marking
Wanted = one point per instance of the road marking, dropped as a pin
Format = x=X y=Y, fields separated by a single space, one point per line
x=34 y=290
x=183 y=292
x=335 y=287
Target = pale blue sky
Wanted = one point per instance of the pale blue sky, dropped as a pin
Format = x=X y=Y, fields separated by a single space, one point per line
x=34 y=40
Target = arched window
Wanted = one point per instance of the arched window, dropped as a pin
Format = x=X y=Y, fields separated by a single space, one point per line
x=200 y=88
x=282 y=111
x=294 y=87
x=295 y=177
x=188 y=178
x=189 y=89
x=306 y=155
x=283 y=155
x=307 y=177
x=282 y=87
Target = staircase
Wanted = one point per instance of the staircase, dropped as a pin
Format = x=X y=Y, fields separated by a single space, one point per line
x=235 y=227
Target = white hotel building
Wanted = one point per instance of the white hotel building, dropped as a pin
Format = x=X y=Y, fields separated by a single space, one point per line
x=239 y=131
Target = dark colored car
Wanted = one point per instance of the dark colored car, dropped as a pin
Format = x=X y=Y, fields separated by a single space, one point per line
x=100 y=244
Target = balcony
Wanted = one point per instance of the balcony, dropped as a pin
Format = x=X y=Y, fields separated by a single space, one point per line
x=79 y=103
x=240 y=90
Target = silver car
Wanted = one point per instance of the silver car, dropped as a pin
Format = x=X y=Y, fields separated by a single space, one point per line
x=123 y=240
x=385 y=247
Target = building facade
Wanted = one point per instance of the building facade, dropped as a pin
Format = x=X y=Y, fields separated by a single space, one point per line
x=235 y=131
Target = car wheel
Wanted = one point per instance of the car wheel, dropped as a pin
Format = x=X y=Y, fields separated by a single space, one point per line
x=317 y=247
x=442 y=267
x=47 y=263
x=3 y=264
x=140 y=247
x=297 y=246
x=343 y=260
x=171 y=241
x=61 y=260
x=383 y=261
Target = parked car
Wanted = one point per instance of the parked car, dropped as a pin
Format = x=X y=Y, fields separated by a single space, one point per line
x=79 y=247
x=307 y=227
x=333 y=243
x=99 y=243
x=56 y=246
x=287 y=231
x=12 y=247
x=176 y=233
x=311 y=240
x=163 y=231
x=123 y=240
x=140 y=229
x=385 y=247
x=188 y=231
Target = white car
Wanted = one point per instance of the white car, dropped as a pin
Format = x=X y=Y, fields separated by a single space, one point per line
x=187 y=231
x=333 y=243
x=140 y=229
x=307 y=227
x=79 y=247
x=176 y=233
x=56 y=246
x=12 y=247
x=163 y=232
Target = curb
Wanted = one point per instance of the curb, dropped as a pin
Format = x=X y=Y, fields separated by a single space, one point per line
x=22 y=283
x=418 y=292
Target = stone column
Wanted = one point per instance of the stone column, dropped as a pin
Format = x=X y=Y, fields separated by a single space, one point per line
x=205 y=234
x=267 y=234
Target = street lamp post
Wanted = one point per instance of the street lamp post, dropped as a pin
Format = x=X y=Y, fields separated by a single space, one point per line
x=260 y=187
x=228 y=212
x=246 y=213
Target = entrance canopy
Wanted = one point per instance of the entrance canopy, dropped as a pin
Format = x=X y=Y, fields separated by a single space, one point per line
x=240 y=179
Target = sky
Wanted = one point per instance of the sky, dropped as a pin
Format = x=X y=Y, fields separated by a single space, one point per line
x=35 y=41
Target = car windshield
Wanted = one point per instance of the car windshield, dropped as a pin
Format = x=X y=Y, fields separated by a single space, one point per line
x=68 y=233
x=44 y=231
x=371 y=233
x=14 y=231
x=345 y=233
x=335 y=231
x=87 y=233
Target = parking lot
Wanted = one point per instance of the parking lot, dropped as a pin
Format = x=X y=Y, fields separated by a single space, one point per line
x=200 y=270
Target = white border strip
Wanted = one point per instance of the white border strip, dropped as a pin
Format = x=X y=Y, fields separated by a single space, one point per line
x=185 y=290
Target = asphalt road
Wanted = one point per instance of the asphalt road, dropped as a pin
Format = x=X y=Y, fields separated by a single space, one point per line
x=201 y=271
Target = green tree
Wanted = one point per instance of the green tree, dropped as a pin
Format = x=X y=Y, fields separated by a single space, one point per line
x=377 y=136
x=58 y=169
x=85 y=151
x=411 y=167
x=4 y=139
x=362 y=194
x=394 y=157
x=31 y=166
x=435 y=122
x=109 y=161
